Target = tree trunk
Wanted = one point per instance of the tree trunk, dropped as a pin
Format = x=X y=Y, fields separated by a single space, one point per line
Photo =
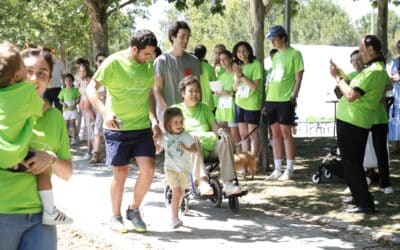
x=382 y=24
x=97 y=10
x=257 y=17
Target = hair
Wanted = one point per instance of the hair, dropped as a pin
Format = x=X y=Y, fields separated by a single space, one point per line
x=187 y=81
x=248 y=48
x=272 y=52
x=354 y=53
x=103 y=54
x=143 y=38
x=87 y=69
x=200 y=52
x=68 y=75
x=175 y=27
x=40 y=53
x=169 y=114
x=158 y=51
x=82 y=61
x=10 y=63
x=375 y=43
x=227 y=53
x=220 y=46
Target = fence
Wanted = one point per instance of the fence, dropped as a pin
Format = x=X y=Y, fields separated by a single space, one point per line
x=315 y=129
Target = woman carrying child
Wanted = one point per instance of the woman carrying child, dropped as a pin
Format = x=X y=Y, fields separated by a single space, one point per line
x=177 y=144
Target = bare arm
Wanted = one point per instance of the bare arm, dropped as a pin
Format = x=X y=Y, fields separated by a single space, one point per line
x=348 y=92
x=159 y=98
x=42 y=161
x=239 y=74
x=297 y=85
x=153 y=117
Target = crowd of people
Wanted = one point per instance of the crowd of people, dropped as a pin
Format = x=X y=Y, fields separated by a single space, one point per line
x=141 y=101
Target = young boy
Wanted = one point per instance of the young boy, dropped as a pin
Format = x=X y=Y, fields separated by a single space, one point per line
x=20 y=106
x=69 y=98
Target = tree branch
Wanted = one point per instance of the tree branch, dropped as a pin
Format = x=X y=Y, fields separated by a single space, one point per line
x=109 y=13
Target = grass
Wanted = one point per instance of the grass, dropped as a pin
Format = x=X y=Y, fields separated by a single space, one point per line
x=325 y=198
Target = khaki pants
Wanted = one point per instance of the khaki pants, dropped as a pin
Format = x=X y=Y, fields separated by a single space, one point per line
x=224 y=151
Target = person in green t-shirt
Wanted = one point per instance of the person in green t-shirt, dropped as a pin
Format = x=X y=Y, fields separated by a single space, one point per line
x=225 y=112
x=128 y=77
x=218 y=69
x=207 y=75
x=281 y=98
x=248 y=95
x=20 y=202
x=69 y=98
x=355 y=117
x=200 y=123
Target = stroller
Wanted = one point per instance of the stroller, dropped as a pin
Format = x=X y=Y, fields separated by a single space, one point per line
x=332 y=165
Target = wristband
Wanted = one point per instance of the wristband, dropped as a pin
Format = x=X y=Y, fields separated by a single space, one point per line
x=242 y=75
x=52 y=161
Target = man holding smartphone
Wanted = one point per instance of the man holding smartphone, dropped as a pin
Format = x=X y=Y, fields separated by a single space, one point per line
x=128 y=114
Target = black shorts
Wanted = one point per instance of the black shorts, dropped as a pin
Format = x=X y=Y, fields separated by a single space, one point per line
x=121 y=146
x=247 y=116
x=281 y=112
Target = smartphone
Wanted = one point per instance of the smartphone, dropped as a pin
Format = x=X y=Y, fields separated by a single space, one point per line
x=21 y=167
x=118 y=122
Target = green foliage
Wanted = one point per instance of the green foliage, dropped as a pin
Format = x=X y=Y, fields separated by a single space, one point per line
x=323 y=22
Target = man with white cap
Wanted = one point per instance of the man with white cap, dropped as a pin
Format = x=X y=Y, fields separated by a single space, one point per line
x=281 y=95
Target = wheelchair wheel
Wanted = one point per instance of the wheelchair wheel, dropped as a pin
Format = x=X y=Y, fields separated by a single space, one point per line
x=233 y=204
x=185 y=206
x=167 y=196
x=327 y=174
x=316 y=178
x=216 y=199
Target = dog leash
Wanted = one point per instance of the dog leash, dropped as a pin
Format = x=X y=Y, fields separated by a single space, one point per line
x=247 y=136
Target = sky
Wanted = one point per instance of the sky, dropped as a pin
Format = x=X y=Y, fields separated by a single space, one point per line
x=356 y=9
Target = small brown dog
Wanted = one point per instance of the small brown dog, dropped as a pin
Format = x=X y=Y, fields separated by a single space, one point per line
x=246 y=163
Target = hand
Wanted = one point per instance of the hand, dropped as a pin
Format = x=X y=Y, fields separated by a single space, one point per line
x=293 y=99
x=182 y=146
x=110 y=120
x=156 y=132
x=221 y=131
x=238 y=70
x=334 y=69
x=39 y=163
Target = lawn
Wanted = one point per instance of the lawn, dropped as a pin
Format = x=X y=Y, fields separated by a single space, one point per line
x=325 y=198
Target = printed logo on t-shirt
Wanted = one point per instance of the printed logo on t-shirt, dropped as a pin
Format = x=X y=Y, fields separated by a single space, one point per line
x=187 y=71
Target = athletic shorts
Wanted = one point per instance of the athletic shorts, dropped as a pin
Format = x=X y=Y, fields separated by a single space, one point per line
x=177 y=179
x=247 y=116
x=70 y=115
x=281 y=112
x=121 y=146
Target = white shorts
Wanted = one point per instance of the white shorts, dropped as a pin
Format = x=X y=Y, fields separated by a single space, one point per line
x=70 y=115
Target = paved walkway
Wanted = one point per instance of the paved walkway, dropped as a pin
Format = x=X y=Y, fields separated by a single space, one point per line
x=86 y=198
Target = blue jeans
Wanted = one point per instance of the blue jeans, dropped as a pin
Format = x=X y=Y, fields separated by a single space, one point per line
x=26 y=231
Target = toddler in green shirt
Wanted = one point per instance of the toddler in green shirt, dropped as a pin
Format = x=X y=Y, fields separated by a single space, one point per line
x=20 y=106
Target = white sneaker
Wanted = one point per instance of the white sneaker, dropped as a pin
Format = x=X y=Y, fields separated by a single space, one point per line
x=87 y=157
x=56 y=218
x=346 y=191
x=287 y=175
x=117 y=224
x=387 y=190
x=175 y=223
x=230 y=189
x=274 y=175
x=205 y=188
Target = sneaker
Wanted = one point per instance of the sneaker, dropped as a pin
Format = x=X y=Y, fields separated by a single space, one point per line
x=136 y=218
x=287 y=175
x=56 y=218
x=205 y=188
x=274 y=175
x=346 y=191
x=387 y=190
x=230 y=189
x=86 y=157
x=117 y=224
x=175 y=223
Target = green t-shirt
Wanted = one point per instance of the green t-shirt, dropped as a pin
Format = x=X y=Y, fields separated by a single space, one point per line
x=361 y=112
x=20 y=106
x=219 y=70
x=247 y=98
x=197 y=122
x=19 y=193
x=351 y=75
x=128 y=85
x=285 y=65
x=69 y=95
x=225 y=113
x=207 y=75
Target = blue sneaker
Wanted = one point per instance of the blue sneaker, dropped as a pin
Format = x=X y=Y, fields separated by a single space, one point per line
x=136 y=218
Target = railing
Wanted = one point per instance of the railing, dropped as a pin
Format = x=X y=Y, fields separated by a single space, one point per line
x=314 y=129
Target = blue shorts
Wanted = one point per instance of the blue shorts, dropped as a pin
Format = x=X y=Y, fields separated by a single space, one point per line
x=121 y=146
x=247 y=116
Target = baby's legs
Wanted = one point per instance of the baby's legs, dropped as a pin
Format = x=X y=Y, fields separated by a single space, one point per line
x=177 y=195
x=46 y=192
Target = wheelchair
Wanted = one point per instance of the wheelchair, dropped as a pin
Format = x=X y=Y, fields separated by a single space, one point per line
x=215 y=199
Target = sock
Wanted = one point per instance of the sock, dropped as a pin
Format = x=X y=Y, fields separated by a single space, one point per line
x=47 y=198
x=278 y=164
x=289 y=164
